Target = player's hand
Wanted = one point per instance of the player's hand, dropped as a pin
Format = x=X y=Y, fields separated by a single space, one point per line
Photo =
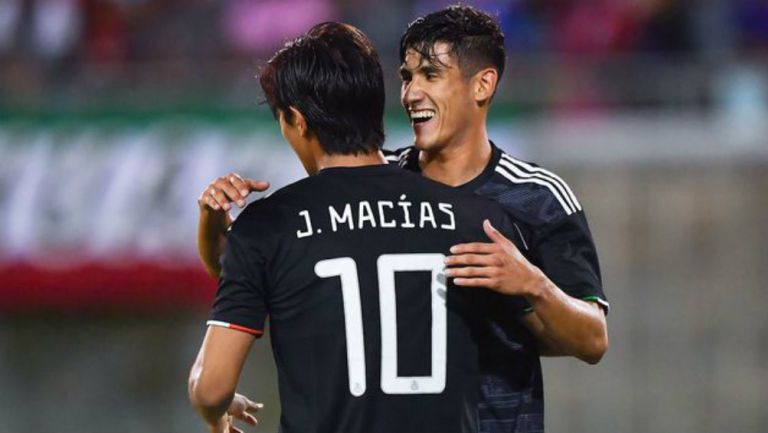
x=497 y=265
x=225 y=190
x=244 y=410
x=223 y=425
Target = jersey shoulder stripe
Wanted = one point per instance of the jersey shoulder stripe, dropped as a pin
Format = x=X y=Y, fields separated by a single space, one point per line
x=520 y=173
x=398 y=156
x=545 y=174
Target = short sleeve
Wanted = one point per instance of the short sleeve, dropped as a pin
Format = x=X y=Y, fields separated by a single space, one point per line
x=566 y=253
x=241 y=298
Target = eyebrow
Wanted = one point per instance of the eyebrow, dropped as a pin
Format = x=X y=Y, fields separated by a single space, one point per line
x=425 y=68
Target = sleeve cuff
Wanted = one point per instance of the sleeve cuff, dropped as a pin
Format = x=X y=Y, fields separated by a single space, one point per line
x=600 y=301
x=219 y=323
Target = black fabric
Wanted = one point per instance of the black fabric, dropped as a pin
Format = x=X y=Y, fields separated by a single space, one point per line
x=555 y=238
x=271 y=266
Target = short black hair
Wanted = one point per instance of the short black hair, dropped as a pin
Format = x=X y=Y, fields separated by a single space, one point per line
x=333 y=77
x=475 y=38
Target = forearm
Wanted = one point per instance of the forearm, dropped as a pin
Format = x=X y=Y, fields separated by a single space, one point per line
x=214 y=375
x=213 y=415
x=566 y=325
x=207 y=397
x=212 y=237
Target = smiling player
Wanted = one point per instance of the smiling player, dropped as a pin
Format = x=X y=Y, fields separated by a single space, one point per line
x=348 y=264
x=452 y=61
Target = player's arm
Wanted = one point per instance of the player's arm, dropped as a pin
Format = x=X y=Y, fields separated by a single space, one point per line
x=562 y=324
x=215 y=202
x=236 y=319
x=214 y=375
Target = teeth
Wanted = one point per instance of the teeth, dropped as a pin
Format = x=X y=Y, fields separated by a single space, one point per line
x=422 y=114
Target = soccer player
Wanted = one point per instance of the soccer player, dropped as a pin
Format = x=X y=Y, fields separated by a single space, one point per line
x=348 y=265
x=452 y=61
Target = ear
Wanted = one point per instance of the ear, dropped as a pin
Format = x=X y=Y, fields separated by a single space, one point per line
x=298 y=120
x=485 y=84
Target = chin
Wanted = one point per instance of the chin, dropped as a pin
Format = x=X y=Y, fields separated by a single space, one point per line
x=424 y=144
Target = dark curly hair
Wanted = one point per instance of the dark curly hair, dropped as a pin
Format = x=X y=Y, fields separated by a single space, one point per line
x=474 y=36
x=333 y=77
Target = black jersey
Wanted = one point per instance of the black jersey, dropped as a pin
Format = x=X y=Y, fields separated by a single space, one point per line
x=557 y=239
x=367 y=334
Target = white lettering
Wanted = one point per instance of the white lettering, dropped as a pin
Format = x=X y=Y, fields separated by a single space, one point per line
x=406 y=205
x=341 y=219
x=382 y=219
x=426 y=215
x=308 y=232
x=365 y=213
x=446 y=208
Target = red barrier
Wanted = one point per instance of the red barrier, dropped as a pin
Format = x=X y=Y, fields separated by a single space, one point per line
x=140 y=286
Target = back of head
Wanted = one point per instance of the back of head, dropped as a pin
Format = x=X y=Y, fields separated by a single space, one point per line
x=333 y=77
x=474 y=36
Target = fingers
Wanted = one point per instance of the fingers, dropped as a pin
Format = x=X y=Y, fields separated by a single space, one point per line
x=239 y=184
x=473 y=260
x=474 y=248
x=496 y=236
x=241 y=406
x=246 y=418
x=472 y=272
x=475 y=282
x=225 y=193
x=257 y=185
x=253 y=406
x=250 y=419
x=232 y=188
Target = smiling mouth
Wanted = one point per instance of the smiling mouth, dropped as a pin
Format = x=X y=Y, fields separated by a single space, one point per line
x=421 y=116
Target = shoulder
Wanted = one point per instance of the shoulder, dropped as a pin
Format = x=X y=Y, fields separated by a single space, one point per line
x=272 y=208
x=531 y=192
x=400 y=156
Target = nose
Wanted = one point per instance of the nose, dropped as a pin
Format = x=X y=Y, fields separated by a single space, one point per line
x=411 y=93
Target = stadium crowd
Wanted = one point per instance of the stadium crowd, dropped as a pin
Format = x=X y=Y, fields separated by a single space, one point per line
x=76 y=48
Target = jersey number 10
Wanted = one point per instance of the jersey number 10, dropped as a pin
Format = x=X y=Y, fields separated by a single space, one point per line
x=387 y=265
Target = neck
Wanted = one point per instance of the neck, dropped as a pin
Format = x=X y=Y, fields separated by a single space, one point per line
x=359 y=160
x=457 y=163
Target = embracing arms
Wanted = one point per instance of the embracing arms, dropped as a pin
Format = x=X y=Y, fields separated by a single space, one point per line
x=563 y=325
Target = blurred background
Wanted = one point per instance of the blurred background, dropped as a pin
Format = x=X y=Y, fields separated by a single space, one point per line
x=115 y=114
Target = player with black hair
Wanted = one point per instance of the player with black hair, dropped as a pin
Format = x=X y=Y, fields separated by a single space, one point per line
x=452 y=61
x=348 y=264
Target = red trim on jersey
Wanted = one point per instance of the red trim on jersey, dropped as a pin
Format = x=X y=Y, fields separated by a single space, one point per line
x=256 y=332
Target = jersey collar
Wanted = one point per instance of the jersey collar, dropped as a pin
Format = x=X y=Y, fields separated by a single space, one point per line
x=412 y=164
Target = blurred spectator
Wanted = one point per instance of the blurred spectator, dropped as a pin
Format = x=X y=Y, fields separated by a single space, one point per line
x=752 y=16
x=105 y=32
x=668 y=26
x=60 y=51
x=10 y=17
x=257 y=27
x=595 y=26
x=56 y=27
